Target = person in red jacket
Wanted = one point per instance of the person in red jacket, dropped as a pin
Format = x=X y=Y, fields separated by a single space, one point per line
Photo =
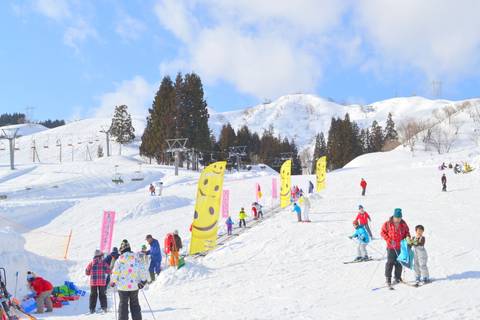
x=394 y=231
x=363 y=184
x=98 y=270
x=43 y=291
x=363 y=218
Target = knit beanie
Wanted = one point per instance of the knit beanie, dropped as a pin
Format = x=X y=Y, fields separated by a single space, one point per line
x=397 y=213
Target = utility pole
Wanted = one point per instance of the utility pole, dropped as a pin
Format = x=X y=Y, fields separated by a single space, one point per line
x=10 y=135
x=59 y=145
x=176 y=146
x=237 y=152
x=107 y=136
x=35 y=156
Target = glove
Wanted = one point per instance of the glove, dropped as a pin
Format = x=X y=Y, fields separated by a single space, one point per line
x=350 y=237
x=112 y=285
x=142 y=284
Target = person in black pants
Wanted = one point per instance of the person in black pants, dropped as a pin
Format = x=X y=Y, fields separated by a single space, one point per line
x=98 y=270
x=444 y=183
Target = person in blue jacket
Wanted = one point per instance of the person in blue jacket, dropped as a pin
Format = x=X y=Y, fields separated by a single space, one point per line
x=298 y=211
x=155 y=257
x=363 y=239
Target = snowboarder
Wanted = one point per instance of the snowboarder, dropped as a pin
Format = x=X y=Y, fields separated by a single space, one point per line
x=175 y=247
x=444 y=183
x=363 y=218
x=241 y=217
x=98 y=270
x=306 y=208
x=363 y=184
x=298 y=211
x=229 y=223
x=259 y=209
x=129 y=277
x=393 y=232
x=152 y=189
x=110 y=260
x=420 y=258
x=155 y=257
x=43 y=290
x=363 y=239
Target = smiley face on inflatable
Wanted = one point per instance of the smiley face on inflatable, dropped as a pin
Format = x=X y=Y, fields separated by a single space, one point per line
x=207 y=207
x=321 y=172
x=286 y=184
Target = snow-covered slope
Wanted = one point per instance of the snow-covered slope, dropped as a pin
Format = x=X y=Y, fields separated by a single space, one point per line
x=24 y=129
x=302 y=116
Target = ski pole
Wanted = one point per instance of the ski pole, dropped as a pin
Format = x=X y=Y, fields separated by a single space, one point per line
x=148 y=304
x=115 y=301
x=375 y=271
x=16 y=283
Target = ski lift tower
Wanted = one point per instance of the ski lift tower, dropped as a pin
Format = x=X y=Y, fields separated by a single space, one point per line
x=238 y=152
x=10 y=134
x=107 y=136
x=176 y=146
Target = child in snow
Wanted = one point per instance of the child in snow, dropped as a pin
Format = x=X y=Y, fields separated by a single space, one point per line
x=259 y=209
x=420 y=258
x=43 y=291
x=152 y=189
x=229 y=223
x=242 y=216
x=254 y=211
x=362 y=236
x=363 y=218
x=298 y=211
x=363 y=185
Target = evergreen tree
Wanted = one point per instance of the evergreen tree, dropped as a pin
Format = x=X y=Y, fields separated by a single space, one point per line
x=376 y=137
x=320 y=149
x=121 y=128
x=227 y=138
x=390 y=132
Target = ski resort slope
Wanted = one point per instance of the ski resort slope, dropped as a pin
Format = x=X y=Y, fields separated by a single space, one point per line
x=281 y=269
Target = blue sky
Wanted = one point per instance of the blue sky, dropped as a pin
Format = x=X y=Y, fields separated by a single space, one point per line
x=74 y=59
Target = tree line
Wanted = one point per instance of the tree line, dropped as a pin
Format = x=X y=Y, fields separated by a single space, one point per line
x=20 y=118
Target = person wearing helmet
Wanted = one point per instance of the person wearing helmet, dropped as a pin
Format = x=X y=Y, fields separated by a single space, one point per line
x=241 y=217
x=363 y=218
x=363 y=239
x=98 y=270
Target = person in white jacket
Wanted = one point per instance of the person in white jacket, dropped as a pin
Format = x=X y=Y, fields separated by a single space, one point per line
x=306 y=208
x=129 y=275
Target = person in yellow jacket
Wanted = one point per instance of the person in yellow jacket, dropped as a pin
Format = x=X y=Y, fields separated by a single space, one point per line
x=241 y=217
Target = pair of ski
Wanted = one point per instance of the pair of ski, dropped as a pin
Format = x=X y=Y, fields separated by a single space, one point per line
x=410 y=284
x=359 y=261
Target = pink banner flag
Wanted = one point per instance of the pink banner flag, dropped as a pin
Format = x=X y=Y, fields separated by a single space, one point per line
x=225 y=203
x=274 y=188
x=107 y=231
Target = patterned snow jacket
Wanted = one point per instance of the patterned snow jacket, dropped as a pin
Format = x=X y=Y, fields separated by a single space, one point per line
x=128 y=272
x=98 y=270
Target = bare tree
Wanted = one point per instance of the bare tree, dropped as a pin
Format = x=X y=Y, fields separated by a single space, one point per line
x=444 y=136
x=408 y=131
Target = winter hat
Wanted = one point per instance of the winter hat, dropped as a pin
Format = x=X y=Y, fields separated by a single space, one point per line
x=397 y=213
x=175 y=232
x=115 y=250
x=360 y=206
x=30 y=276
x=125 y=247
x=98 y=253
x=144 y=247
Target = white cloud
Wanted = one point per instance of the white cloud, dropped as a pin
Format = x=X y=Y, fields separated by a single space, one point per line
x=53 y=9
x=265 y=48
x=440 y=38
x=77 y=34
x=136 y=93
x=129 y=28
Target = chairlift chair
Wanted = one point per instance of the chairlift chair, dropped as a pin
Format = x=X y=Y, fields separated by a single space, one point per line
x=2 y=146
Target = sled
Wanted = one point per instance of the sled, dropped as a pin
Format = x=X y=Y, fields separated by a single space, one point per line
x=181 y=262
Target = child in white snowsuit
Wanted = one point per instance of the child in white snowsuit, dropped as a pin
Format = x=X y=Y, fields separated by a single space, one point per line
x=420 y=257
x=363 y=239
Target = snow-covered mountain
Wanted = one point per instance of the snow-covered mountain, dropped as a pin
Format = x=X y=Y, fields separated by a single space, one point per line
x=302 y=116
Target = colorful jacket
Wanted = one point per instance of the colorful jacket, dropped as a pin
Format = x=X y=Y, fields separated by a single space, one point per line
x=363 y=218
x=394 y=235
x=361 y=234
x=363 y=184
x=229 y=221
x=40 y=285
x=98 y=270
x=242 y=215
x=154 y=252
x=297 y=209
x=128 y=272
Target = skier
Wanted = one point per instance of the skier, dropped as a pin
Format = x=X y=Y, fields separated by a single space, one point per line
x=363 y=218
x=393 y=232
x=310 y=187
x=259 y=209
x=152 y=189
x=254 y=211
x=155 y=257
x=420 y=258
x=363 y=184
x=298 y=211
x=306 y=208
x=43 y=290
x=110 y=260
x=444 y=183
x=128 y=276
x=241 y=217
x=98 y=270
x=363 y=239
x=229 y=223
x=175 y=247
